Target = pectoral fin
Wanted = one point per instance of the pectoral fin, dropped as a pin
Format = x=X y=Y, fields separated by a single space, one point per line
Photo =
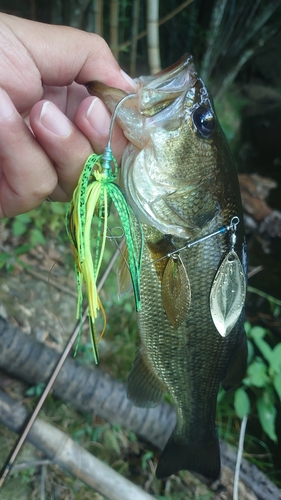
x=144 y=388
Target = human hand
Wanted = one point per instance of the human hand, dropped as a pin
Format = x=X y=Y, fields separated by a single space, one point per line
x=42 y=69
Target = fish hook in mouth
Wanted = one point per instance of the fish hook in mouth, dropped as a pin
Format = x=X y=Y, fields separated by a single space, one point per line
x=113 y=118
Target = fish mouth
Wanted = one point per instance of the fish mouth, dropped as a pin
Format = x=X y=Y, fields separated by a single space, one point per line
x=158 y=91
x=182 y=65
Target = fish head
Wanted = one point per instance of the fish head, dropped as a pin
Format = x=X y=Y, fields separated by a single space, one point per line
x=152 y=95
x=175 y=149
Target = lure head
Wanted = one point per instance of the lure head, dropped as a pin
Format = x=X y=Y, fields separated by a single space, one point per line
x=175 y=165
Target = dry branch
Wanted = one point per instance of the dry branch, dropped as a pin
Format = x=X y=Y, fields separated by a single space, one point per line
x=90 y=390
x=86 y=388
x=69 y=455
x=49 y=281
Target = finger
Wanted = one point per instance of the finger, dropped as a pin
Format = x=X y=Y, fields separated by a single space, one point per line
x=64 y=143
x=57 y=95
x=93 y=119
x=64 y=54
x=75 y=95
x=67 y=99
x=27 y=174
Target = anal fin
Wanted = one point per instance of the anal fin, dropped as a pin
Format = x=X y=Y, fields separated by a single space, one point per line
x=144 y=388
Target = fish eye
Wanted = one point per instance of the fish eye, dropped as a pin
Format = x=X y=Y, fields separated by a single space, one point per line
x=203 y=120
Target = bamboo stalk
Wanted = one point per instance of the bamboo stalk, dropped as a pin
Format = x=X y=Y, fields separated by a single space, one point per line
x=153 y=36
x=113 y=27
x=135 y=25
x=98 y=12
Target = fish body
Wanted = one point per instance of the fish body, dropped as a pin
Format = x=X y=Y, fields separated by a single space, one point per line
x=179 y=177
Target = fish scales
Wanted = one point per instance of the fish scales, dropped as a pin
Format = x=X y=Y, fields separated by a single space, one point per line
x=179 y=178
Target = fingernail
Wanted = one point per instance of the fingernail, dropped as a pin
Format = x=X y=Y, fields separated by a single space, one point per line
x=98 y=117
x=6 y=106
x=128 y=79
x=54 y=120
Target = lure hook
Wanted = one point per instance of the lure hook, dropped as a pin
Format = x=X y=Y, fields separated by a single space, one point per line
x=107 y=156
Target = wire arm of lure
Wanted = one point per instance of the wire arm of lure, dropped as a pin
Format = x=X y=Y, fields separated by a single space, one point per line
x=222 y=230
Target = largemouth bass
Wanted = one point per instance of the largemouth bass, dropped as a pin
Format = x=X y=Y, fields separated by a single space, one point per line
x=179 y=177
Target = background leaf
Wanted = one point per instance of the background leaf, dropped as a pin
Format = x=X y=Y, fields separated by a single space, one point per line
x=275 y=364
x=19 y=227
x=264 y=348
x=267 y=413
x=241 y=403
x=277 y=384
x=257 y=374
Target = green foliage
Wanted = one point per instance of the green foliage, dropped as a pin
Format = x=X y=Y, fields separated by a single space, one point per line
x=27 y=474
x=27 y=231
x=36 y=390
x=109 y=435
x=257 y=374
x=187 y=495
x=4 y=259
x=145 y=458
x=261 y=390
x=8 y=260
x=20 y=224
x=46 y=220
x=228 y=109
x=110 y=440
x=241 y=403
x=264 y=373
x=267 y=412
x=275 y=304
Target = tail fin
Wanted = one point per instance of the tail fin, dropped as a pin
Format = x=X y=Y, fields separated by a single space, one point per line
x=202 y=457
